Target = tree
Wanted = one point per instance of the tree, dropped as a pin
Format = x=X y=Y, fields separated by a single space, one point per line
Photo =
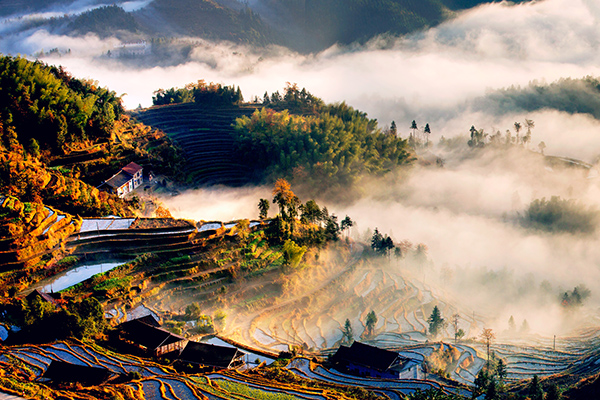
x=332 y=228
x=393 y=128
x=371 y=323
x=388 y=245
x=283 y=197
x=454 y=319
x=376 y=240
x=512 y=327
x=310 y=212
x=292 y=253
x=535 y=389
x=542 y=147
x=346 y=224
x=488 y=337
x=243 y=229
x=492 y=391
x=530 y=125
x=481 y=383
x=501 y=371
x=436 y=322
x=263 y=208
x=193 y=310
x=34 y=147
x=347 y=333
x=427 y=132
x=553 y=393
x=524 y=327
x=517 y=129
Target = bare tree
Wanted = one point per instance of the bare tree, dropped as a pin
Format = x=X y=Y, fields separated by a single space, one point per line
x=454 y=320
x=488 y=337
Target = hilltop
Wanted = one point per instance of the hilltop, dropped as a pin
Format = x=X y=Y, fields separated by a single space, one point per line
x=294 y=135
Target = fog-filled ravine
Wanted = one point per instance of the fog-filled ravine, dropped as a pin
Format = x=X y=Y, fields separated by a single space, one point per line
x=482 y=250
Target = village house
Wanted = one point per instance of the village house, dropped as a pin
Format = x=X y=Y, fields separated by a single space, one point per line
x=61 y=371
x=149 y=338
x=365 y=360
x=44 y=297
x=126 y=180
x=211 y=356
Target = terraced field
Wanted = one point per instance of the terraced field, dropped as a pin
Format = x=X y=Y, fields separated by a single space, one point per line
x=156 y=381
x=205 y=134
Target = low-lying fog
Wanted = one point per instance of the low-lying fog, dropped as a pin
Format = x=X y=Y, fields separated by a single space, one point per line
x=466 y=213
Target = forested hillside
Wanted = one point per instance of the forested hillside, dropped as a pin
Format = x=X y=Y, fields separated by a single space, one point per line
x=293 y=135
x=332 y=147
x=56 y=131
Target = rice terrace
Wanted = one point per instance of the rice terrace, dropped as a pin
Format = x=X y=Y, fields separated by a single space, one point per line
x=279 y=200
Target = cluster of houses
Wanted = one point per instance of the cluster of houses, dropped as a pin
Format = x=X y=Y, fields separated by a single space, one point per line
x=146 y=334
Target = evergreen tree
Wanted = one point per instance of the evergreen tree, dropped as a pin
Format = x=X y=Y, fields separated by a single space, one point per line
x=492 y=391
x=346 y=224
x=347 y=333
x=553 y=393
x=512 y=327
x=501 y=370
x=393 y=128
x=263 y=208
x=436 y=322
x=371 y=323
x=535 y=389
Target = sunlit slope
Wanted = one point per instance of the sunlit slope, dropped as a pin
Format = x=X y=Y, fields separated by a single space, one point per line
x=205 y=135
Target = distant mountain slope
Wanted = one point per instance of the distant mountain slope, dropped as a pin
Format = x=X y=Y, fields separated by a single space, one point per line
x=302 y=25
x=205 y=18
x=317 y=24
x=104 y=21
x=10 y=7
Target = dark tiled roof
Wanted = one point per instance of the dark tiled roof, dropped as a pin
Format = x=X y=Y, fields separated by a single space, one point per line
x=151 y=337
x=148 y=320
x=119 y=179
x=60 y=371
x=44 y=296
x=365 y=355
x=131 y=168
x=209 y=354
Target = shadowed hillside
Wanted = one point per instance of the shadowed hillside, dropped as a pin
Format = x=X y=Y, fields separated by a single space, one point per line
x=205 y=134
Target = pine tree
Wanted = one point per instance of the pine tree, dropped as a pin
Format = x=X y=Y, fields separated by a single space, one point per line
x=535 y=389
x=370 y=323
x=347 y=333
x=436 y=322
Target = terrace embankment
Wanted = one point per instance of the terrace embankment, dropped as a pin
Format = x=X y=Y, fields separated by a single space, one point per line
x=206 y=136
x=132 y=236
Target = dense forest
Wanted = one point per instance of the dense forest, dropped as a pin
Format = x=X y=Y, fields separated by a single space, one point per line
x=43 y=107
x=207 y=94
x=333 y=143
